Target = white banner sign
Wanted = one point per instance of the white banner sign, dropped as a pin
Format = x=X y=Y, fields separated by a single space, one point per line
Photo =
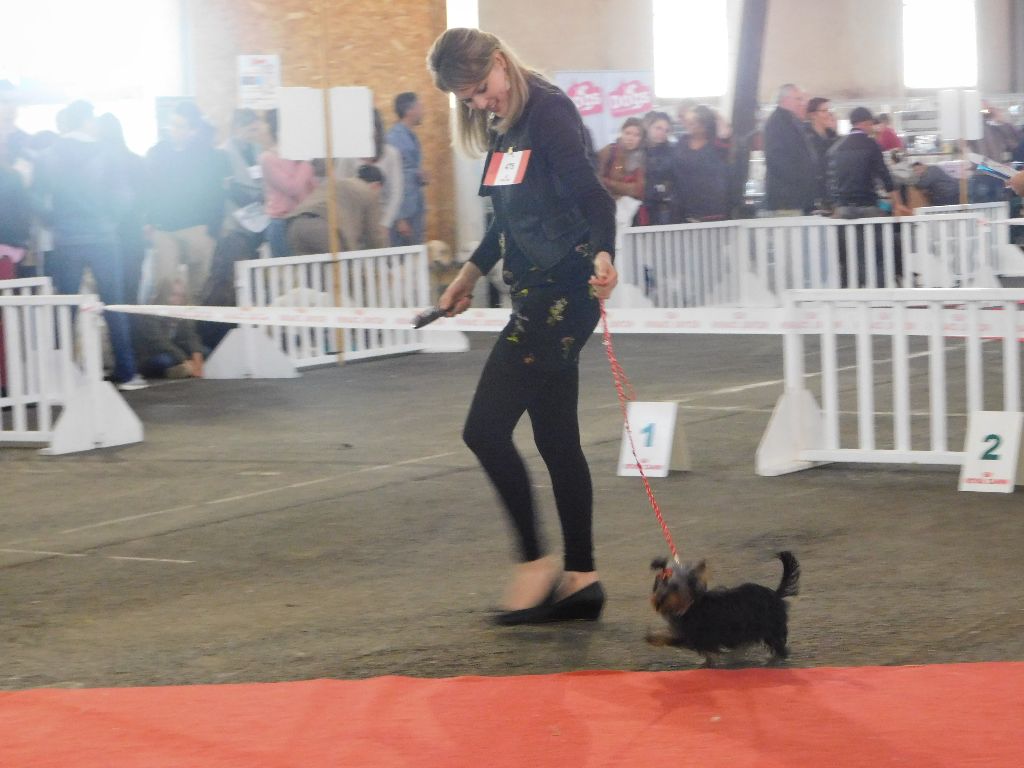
x=259 y=77
x=605 y=98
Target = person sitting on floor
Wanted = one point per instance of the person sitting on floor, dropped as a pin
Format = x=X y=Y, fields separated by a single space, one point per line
x=167 y=347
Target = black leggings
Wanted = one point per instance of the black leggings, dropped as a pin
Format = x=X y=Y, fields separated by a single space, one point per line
x=505 y=391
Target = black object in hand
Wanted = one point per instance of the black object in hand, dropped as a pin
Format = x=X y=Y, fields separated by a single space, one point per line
x=426 y=318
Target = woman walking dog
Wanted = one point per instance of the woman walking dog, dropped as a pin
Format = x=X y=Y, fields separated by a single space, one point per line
x=554 y=226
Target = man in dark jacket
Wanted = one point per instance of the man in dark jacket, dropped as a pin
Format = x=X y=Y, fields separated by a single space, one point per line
x=856 y=168
x=186 y=179
x=791 y=168
x=81 y=195
x=821 y=129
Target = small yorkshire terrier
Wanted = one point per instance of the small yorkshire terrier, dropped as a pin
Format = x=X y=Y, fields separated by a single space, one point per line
x=721 y=619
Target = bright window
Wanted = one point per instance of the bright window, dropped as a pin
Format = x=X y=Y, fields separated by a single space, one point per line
x=463 y=13
x=118 y=54
x=691 y=48
x=940 y=44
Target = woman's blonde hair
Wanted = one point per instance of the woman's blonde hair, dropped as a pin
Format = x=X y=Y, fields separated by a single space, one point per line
x=463 y=57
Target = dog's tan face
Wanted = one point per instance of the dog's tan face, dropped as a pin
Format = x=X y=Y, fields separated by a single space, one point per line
x=677 y=587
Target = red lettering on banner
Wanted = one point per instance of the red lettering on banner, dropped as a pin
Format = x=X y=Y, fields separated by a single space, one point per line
x=630 y=98
x=588 y=98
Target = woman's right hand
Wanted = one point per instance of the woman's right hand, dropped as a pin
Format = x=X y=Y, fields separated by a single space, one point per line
x=458 y=296
x=1016 y=183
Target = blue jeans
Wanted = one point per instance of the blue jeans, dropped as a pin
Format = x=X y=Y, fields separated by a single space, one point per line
x=157 y=364
x=67 y=264
x=417 y=223
x=277 y=238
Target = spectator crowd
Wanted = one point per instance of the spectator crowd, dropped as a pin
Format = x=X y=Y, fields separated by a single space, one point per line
x=167 y=227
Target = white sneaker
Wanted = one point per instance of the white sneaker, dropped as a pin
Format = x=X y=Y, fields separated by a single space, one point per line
x=135 y=382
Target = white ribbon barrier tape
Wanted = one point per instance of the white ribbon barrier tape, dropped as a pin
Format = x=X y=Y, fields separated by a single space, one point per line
x=715 y=320
x=712 y=320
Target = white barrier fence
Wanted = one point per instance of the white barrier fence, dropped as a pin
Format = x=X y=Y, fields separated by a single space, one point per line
x=752 y=262
x=898 y=336
x=51 y=394
x=383 y=278
x=26 y=286
x=800 y=434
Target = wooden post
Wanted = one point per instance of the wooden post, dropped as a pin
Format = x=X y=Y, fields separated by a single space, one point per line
x=332 y=208
x=963 y=170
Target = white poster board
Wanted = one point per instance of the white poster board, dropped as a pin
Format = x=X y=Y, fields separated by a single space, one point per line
x=992 y=452
x=301 y=133
x=657 y=439
x=960 y=115
x=259 y=77
x=352 y=121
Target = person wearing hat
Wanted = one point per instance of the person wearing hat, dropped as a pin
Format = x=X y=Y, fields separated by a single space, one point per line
x=856 y=169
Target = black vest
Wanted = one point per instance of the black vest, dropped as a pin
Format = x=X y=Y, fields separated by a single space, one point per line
x=538 y=212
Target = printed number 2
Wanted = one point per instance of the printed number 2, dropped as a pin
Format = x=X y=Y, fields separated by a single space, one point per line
x=990 y=454
x=649 y=431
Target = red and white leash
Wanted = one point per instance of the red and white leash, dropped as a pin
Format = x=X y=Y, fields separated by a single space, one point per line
x=626 y=393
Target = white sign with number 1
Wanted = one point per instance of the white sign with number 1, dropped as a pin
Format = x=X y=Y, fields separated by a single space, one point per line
x=656 y=436
x=992 y=452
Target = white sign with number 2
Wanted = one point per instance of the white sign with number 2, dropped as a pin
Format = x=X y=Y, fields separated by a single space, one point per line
x=992 y=452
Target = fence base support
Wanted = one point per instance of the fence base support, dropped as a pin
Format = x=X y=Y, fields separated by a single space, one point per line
x=796 y=425
x=248 y=353
x=985 y=277
x=93 y=416
x=754 y=293
x=445 y=341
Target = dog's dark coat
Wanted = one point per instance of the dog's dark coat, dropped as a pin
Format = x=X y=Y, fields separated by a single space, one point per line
x=721 y=619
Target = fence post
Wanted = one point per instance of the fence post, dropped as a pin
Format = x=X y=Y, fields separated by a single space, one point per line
x=796 y=423
x=95 y=415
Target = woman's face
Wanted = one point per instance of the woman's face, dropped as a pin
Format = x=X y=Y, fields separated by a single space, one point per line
x=178 y=130
x=492 y=93
x=658 y=132
x=694 y=127
x=630 y=137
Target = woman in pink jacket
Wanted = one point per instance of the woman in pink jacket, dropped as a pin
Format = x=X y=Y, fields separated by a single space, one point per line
x=286 y=183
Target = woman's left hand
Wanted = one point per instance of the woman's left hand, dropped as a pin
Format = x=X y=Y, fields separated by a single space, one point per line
x=605 y=277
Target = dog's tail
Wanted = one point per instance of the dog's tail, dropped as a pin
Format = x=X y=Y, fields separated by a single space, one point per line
x=789 y=585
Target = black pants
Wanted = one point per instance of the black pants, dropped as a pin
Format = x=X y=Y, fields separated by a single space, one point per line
x=506 y=390
x=863 y=212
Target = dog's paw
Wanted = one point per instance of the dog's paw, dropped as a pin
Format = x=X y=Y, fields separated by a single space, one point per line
x=657 y=639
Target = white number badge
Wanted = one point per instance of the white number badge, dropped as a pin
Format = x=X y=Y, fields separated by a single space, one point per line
x=507 y=168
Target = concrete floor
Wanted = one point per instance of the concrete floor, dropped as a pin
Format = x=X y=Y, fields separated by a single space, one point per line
x=335 y=526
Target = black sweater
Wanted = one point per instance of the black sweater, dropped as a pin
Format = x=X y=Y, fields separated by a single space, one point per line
x=855 y=164
x=791 y=168
x=556 y=139
x=185 y=187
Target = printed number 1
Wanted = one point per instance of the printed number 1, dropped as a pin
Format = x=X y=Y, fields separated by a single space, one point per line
x=649 y=431
x=990 y=454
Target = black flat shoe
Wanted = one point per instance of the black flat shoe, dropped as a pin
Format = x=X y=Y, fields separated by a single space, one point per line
x=533 y=615
x=584 y=605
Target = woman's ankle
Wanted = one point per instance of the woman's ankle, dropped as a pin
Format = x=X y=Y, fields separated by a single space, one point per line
x=531 y=583
x=574 y=581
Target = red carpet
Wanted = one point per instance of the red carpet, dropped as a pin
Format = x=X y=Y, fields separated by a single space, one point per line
x=927 y=717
